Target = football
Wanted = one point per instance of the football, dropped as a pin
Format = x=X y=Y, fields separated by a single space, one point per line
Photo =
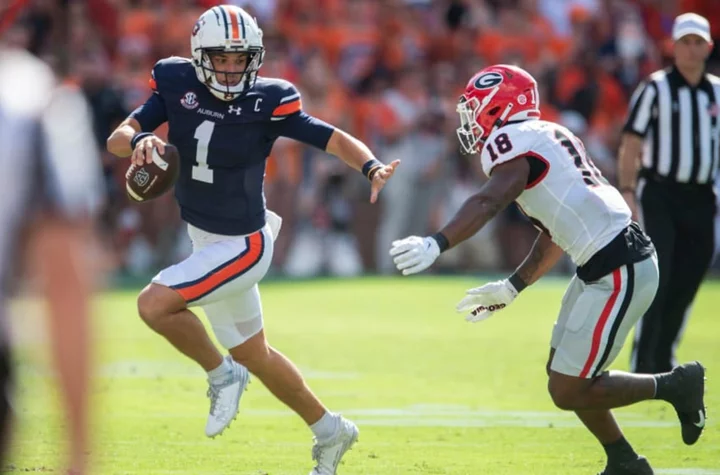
x=147 y=182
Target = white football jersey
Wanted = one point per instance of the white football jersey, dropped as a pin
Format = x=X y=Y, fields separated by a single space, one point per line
x=567 y=198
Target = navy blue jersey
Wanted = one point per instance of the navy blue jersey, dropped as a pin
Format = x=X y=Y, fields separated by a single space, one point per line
x=224 y=145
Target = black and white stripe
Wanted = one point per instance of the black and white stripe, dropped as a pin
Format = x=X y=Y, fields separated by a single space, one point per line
x=629 y=281
x=680 y=124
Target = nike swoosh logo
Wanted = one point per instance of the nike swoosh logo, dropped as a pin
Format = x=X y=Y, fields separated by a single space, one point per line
x=701 y=423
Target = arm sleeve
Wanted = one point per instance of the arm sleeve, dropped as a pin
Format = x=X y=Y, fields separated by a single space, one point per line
x=641 y=104
x=305 y=128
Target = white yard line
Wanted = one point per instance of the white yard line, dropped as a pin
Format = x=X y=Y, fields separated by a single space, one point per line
x=425 y=416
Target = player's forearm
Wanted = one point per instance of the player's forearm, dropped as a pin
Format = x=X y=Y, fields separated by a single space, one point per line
x=119 y=141
x=628 y=160
x=505 y=185
x=475 y=213
x=542 y=257
x=349 y=149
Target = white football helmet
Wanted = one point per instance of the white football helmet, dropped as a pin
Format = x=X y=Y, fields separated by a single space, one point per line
x=228 y=29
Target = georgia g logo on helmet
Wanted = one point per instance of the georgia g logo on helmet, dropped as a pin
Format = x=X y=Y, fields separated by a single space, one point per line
x=488 y=80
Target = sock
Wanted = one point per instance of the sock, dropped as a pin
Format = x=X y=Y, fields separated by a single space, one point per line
x=221 y=373
x=662 y=386
x=326 y=426
x=619 y=451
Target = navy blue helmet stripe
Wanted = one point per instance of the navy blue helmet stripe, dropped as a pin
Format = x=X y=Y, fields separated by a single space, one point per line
x=242 y=23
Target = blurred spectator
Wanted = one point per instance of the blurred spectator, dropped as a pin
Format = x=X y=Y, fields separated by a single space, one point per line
x=413 y=134
x=53 y=190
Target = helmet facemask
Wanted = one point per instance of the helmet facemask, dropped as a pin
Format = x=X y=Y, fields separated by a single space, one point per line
x=470 y=133
x=248 y=76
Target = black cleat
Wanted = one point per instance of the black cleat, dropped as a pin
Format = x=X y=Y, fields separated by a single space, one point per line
x=640 y=466
x=687 y=395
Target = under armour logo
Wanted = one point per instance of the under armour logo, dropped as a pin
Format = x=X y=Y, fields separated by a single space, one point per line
x=234 y=110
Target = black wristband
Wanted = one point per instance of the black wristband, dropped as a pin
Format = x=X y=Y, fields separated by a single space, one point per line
x=517 y=282
x=371 y=167
x=137 y=137
x=442 y=241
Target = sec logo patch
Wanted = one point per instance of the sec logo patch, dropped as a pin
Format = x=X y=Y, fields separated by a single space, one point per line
x=189 y=100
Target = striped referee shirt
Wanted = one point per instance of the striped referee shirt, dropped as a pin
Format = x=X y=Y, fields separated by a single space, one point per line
x=680 y=124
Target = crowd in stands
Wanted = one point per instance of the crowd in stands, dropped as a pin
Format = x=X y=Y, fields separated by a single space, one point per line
x=389 y=72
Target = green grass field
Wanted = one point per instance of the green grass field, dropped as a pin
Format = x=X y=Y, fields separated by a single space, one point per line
x=431 y=393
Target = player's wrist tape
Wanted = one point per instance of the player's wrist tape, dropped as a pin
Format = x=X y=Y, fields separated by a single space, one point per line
x=517 y=282
x=371 y=167
x=442 y=241
x=138 y=137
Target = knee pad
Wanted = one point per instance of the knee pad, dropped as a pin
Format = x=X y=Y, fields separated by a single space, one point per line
x=231 y=332
x=237 y=319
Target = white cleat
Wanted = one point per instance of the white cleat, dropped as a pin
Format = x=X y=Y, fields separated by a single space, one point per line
x=328 y=453
x=225 y=399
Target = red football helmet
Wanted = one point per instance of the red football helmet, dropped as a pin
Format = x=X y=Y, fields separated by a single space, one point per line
x=493 y=97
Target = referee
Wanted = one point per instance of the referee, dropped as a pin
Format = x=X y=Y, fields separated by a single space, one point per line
x=671 y=136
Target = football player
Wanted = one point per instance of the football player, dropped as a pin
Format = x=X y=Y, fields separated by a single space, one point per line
x=224 y=118
x=545 y=169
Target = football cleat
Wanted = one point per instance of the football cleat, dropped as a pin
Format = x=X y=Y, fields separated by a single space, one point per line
x=687 y=395
x=328 y=453
x=225 y=399
x=640 y=466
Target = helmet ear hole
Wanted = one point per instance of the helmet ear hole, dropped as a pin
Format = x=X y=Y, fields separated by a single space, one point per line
x=494 y=111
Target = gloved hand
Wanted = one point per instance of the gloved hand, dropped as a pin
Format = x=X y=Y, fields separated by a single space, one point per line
x=414 y=254
x=483 y=302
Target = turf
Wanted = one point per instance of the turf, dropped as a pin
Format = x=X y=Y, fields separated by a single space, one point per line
x=431 y=393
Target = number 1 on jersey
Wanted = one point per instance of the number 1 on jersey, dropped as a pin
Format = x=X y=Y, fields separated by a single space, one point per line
x=201 y=171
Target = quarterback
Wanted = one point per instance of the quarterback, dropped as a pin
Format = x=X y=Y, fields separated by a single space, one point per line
x=224 y=119
x=545 y=169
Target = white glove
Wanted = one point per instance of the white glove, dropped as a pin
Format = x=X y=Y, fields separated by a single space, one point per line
x=414 y=254
x=483 y=302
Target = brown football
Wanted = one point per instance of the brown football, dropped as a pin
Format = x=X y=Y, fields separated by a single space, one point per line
x=151 y=180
